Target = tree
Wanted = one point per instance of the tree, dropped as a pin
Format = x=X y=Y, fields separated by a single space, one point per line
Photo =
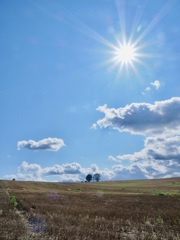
x=89 y=177
x=96 y=177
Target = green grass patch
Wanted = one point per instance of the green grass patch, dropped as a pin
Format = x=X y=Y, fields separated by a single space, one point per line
x=13 y=201
x=163 y=193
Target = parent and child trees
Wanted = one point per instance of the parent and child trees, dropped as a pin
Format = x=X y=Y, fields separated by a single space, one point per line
x=96 y=177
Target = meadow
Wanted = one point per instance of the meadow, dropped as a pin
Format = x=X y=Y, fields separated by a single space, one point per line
x=143 y=209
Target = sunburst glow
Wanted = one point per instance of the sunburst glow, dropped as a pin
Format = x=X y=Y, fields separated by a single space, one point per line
x=126 y=53
x=130 y=47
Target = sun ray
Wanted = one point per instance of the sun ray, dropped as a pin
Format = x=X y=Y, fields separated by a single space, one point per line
x=154 y=22
x=129 y=51
x=136 y=24
x=122 y=19
x=130 y=46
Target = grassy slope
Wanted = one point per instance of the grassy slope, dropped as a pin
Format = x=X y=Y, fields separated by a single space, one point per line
x=169 y=185
x=104 y=210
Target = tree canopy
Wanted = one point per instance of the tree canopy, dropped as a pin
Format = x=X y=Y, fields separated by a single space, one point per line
x=88 y=177
x=96 y=177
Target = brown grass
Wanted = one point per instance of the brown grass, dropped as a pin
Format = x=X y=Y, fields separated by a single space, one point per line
x=10 y=224
x=111 y=210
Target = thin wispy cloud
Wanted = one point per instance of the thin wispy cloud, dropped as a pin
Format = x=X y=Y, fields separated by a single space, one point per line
x=153 y=85
x=147 y=89
x=51 y=144
x=156 y=84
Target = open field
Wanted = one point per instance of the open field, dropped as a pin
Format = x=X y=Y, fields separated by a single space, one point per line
x=144 y=209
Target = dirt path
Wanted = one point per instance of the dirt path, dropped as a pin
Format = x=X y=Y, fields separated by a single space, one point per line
x=33 y=224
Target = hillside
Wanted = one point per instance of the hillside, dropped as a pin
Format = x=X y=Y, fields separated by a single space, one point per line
x=141 y=209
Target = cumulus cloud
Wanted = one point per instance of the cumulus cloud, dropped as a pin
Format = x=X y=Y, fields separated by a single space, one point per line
x=160 y=157
x=94 y=168
x=65 y=172
x=74 y=172
x=147 y=169
x=32 y=171
x=160 y=124
x=162 y=117
x=52 y=144
x=155 y=148
x=70 y=178
x=167 y=148
x=69 y=168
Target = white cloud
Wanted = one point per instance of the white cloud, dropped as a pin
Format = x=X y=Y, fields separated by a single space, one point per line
x=52 y=144
x=128 y=172
x=32 y=171
x=155 y=148
x=94 y=168
x=162 y=117
x=69 y=168
x=160 y=157
x=70 y=178
x=160 y=123
x=70 y=172
x=147 y=89
x=29 y=167
x=147 y=169
x=74 y=172
x=156 y=84
x=110 y=157
x=167 y=148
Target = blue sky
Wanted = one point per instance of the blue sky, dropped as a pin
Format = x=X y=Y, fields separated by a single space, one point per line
x=89 y=86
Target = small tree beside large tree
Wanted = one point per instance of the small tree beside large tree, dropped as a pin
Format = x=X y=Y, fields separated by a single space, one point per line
x=96 y=177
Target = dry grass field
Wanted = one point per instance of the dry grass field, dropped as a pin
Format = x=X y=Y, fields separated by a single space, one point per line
x=144 y=209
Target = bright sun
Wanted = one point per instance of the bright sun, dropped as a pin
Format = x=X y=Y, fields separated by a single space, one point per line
x=125 y=54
